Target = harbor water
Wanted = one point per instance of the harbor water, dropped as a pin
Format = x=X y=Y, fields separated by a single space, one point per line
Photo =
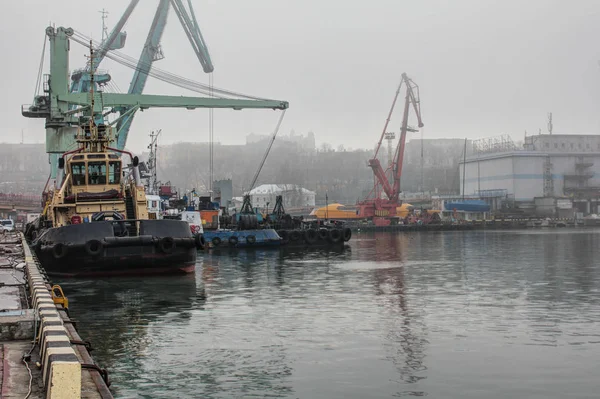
x=457 y=314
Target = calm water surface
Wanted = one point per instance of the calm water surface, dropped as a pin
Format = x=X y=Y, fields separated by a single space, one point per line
x=445 y=315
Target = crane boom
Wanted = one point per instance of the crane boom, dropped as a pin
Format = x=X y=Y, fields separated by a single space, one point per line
x=192 y=30
x=55 y=106
x=115 y=40
x=381 y=177
x=383 y=211
x=412 y=98
x=109 y=42
x=150 y=53
x=387 y=121
x=151 y=49
x=143 y=101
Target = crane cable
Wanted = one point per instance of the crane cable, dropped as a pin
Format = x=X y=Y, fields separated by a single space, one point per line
x=162 y=75
x=211 y=138
x=40 y=71
x=132 y=63
x=262 y=163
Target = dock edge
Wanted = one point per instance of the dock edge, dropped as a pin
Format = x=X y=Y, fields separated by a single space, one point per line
x=61 y=369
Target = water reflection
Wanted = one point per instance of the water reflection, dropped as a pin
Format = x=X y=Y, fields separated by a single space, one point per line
x=449 y=314
x=115 y=314
x=405 y=330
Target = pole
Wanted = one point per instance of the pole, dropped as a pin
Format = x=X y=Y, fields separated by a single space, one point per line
x=422 y=166
x=326 y=207
x=478 y=178
x=210 y=138
x=464 y=169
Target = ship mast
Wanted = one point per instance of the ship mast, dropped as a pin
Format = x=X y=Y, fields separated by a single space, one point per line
x=152 y=182
x=92 y=85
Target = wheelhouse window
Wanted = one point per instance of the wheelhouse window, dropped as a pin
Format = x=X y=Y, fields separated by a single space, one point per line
x=78 y=173
x=97 y=172
x=114 y=172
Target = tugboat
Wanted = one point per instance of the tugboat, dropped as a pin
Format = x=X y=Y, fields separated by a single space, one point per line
x=95 y=222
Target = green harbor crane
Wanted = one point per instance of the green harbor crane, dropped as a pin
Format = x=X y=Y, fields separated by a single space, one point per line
x=63 y=109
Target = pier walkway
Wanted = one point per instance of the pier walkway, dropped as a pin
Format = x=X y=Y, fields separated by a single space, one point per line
x=41 y=354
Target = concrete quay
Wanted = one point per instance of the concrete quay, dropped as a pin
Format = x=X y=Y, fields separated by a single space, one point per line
x=495 y=224
x=41 y=354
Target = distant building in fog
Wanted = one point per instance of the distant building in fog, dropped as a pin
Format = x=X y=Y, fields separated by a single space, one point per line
x=223 y=191
x=24 y=168
x=548 y=166
x=436 y=152
x=306 y=142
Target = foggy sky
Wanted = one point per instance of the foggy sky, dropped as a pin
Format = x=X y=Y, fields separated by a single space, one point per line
x=484 y=67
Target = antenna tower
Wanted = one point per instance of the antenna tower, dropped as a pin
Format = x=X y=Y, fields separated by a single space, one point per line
x=104 y=27
x=153 y=147
x=550 y=122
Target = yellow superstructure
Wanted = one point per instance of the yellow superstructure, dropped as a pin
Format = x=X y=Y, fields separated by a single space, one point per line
x=336 y=211
x=340 y=211
x=403 y=210
x=92 y=182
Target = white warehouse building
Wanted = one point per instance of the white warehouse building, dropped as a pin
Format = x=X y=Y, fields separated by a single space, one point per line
x=558 y=166
x=293 y=195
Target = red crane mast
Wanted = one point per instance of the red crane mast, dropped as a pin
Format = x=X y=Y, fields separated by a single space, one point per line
x=383 y=210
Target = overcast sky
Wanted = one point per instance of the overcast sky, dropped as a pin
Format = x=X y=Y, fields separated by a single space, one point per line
x=485 y=67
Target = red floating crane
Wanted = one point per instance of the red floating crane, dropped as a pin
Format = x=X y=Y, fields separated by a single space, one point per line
x=382 y=211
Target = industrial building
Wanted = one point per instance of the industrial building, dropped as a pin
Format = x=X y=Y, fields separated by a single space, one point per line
x=293 y=195
x=223 y=191
x=553 y=174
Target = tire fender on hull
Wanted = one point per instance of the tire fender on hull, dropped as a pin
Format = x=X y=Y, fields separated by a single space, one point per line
x=335 y=236
x=295 y=235
x=200 y=241
x=284 y=235
x=59 y=250
x=166 y=245
x=347 y=234
x=94 y=247
x=311 y=236
x=323 y=234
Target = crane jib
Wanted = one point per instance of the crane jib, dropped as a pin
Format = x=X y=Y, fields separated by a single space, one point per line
x=394 y=171
x=63 y=104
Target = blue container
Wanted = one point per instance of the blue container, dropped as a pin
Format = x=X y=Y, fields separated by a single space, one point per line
x=467 y=206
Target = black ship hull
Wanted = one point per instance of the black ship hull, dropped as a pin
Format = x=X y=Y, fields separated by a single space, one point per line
x=108 y=248
x=306 y=238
